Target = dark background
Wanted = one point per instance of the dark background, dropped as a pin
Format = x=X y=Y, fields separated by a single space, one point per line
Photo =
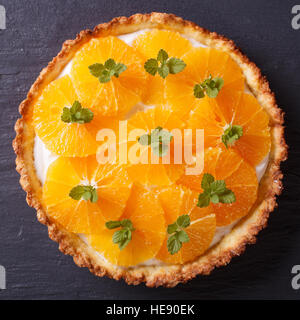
x=35 y=32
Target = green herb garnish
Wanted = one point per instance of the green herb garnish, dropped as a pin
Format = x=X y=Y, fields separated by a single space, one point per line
x=77 y=114
x=209 y=86
x=177 y=235
x=121 y=237
x=214 y=191
x=231 y=135
x=163 y=65
x=159 y=140
x=84 y=192
x=104 y=72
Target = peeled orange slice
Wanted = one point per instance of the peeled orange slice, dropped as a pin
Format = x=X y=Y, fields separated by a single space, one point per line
x=177 y=201
x=149 y=44
x=118 y=95
x=215 y=116
x=83 y=216
x=148 y=168
x=201 y=63
x=61 y=138
x=147 y=216
x=239 y=176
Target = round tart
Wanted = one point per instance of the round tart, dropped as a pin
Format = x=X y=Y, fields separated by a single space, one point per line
x=151 y=223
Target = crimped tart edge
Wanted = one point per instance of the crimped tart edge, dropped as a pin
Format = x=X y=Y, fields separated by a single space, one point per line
x=232 y=244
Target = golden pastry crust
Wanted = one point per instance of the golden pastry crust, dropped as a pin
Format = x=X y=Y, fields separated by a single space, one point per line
x=233 y=243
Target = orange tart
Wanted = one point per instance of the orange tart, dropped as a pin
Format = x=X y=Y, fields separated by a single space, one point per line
x=151 y=149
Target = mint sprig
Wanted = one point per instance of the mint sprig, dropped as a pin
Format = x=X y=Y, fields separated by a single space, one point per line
x=123 y=236
x=159 y=140
x=104 y=72
x=77 y=114
x=163 y=65
x=177 y=235
x=84 y=192
x=214 y=191
x=211 y=87
x=231 y=135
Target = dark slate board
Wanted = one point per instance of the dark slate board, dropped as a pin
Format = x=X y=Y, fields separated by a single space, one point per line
x=35 y=32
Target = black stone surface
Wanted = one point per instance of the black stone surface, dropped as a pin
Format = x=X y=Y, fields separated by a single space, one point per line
x=35 y=32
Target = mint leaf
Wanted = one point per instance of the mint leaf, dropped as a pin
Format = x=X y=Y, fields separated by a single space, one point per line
x=162 y=56
x=198 y=91
x=123 y=236
x=177 y=234
x=172 y=228
x=126 y=223
x=214 y=198
x=183 y=221
x=110 y=64
x=96 y=69
x=209 y=86
x=175 y=65
x=113 y=224
x=84 y=192
x=212 y=92
x=218 y=186
x=173 y=244
x=151 y=66
x=163 y=71
x=105 y=76
x=203 y=200
x=219 y=82
x=207 y=180
x=119 y=68
x=119 y=236
x=105 y=72
x=77 y=114
x=159 y=140
x=144 y=140
x=182 y=236
x=163 y=65
x=227 y=197
x=161 y=135
x=124 y=243
x=214 y=191
x=76 y=107
x=66 y=115
x=231 y=135
x=159 y=149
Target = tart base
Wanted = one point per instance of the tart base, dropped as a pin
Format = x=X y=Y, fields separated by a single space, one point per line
x=232 y=244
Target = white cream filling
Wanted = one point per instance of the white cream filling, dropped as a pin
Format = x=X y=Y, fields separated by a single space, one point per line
x=43 y=157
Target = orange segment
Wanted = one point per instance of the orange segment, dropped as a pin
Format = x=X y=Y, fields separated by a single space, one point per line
x=61 y=138
x=119 y=94
x=201 y=62
x=177 y=201
x=153 y=171
x=214 y=116
x=147 y=216
x=239 y=177
x=149 y=45
x=80 y=216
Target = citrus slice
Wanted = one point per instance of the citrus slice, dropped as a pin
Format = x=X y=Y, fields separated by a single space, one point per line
x=119 y=94
x=149 y=44
x=146 y=214
x=218 y=117
x=201 y=63
x=65 y=138
x=177 y=201
x=144 y=165
x=239 y=176
x=83 y=216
